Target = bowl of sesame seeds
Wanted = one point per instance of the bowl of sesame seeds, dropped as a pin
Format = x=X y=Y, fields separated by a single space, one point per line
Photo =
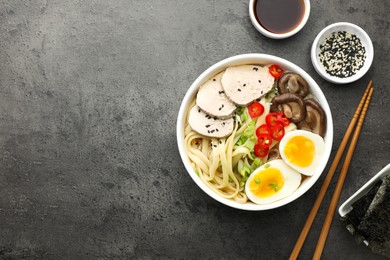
x=342 y=53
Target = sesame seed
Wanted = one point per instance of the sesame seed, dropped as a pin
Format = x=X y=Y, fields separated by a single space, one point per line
x=342 y=54
x=239 y=90
x=207 y=126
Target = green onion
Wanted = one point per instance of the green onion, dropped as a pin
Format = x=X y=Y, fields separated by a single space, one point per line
x=274 y=186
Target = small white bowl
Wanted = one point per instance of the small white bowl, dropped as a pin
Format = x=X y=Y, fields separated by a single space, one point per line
x=272 y=35
x=347 y=205
x=253 y=58
x=336 y=27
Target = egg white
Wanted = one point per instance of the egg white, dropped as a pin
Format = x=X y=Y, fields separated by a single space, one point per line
x=292 y=180
x=319 y=145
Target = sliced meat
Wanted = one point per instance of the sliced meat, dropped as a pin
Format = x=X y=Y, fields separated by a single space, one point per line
x=210 y=126
x=212 y=99
x=246 y=83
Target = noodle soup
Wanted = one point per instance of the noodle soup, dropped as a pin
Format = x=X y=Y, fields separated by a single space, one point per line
x=230 y=138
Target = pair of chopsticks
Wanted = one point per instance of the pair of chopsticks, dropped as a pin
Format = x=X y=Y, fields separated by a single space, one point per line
x=361 y=110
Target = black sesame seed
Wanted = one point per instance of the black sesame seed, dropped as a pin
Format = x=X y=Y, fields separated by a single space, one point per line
x=214 y=79
x=198 y=110
x=342 y=54
x=212 y=131
x=256 y=69
x=216 y=129
x=207 y=126
x=215 y=145
x=239 y=90
x=259 y=81
x=244 y=85
x=222 y=105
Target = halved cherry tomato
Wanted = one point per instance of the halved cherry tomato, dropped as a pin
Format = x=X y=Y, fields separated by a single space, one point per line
x=260 y=151
x=276 y=71
x=263 y=129
x=265 y=140
x=277 y=132
x=283 y=120
x=255 y=109
x=272 y=119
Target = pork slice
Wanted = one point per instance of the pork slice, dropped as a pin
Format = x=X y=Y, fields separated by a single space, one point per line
x=208 y=125
x=212 y=99
x=246 y=83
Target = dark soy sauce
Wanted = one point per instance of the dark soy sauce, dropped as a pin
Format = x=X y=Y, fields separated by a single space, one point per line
x=279 y=16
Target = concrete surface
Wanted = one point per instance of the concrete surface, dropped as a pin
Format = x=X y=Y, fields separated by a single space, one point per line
x=89 y=95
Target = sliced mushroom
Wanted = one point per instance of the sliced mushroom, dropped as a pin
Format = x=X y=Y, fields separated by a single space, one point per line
x=291 y=82
x=292 y=106
x=315 y=120
x=274 y=154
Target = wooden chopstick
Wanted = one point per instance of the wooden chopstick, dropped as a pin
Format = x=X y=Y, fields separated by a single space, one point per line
x=329 y=176
x=340 y=182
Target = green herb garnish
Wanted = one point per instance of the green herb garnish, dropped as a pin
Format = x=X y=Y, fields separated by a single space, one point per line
x=274 y=186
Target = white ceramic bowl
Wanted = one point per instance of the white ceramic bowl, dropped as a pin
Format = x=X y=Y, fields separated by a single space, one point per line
x=252 y=59
x=272 y=35
x=351 y=28
x=347 y=205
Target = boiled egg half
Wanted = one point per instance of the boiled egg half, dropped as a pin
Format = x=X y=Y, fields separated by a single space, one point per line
x=302 y=150
x=272 y=181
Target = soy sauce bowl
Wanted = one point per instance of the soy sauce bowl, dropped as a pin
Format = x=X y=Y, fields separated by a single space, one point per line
x=269 y=34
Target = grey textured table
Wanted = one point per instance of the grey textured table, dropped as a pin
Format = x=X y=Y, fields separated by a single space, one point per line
x=89 y=96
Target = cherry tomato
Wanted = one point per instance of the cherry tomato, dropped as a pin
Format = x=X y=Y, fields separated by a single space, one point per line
x=255 y=109
x=277 y=132
x=263 y=129
x=276 y=71
x=272 y=119
x=265 y=140
x=260 y=151
x=283 y=120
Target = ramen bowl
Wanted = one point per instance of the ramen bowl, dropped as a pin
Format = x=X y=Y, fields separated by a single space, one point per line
x=246 y=59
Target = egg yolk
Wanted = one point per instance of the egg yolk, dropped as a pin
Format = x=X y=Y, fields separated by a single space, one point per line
x=300 y=151
x=267 y=182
